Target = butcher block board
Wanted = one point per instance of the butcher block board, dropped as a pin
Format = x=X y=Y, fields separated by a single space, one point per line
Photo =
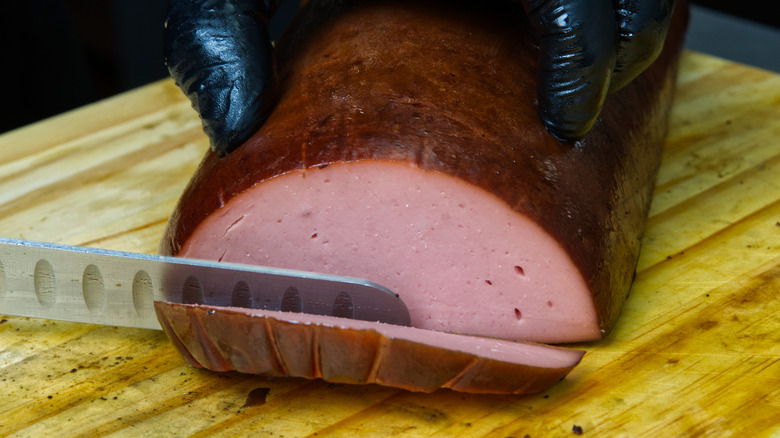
x=696 y=351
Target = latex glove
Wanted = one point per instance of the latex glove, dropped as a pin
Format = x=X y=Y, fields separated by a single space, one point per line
x=219 y=53
x=589 y=48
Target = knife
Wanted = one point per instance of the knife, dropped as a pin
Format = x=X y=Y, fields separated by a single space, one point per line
x=98 y=286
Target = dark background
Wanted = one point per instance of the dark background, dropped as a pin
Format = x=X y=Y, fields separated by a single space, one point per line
x=62 y=54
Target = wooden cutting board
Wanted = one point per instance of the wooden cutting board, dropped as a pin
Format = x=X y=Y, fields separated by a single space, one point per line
x=696 y=352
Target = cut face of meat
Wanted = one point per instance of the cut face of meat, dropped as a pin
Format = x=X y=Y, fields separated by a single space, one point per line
x=459 y=257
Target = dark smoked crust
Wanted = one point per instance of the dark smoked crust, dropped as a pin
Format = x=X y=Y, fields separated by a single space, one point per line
x=453 y=89
x=267 y=345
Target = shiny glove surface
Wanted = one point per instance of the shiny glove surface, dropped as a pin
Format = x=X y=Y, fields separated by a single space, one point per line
x=589 y=48
x=219 y=53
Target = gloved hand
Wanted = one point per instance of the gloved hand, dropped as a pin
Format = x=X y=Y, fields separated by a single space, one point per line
x=219 y=53
x=589 y=48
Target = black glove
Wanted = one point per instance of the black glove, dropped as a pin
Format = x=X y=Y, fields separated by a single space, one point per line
x=219 y=53
x=589 y=48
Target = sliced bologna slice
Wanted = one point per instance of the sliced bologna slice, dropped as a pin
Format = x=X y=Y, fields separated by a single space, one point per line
x=350 y=351
x=406 y=148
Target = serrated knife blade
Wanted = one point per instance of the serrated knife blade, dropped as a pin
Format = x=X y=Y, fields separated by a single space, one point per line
x=97 y=286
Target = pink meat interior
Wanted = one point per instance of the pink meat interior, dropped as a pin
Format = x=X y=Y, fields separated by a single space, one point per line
x=459 y=257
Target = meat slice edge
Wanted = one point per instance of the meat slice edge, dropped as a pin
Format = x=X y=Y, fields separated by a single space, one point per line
x=351 y=351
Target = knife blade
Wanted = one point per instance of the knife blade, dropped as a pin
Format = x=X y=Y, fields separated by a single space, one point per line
x=98 y=286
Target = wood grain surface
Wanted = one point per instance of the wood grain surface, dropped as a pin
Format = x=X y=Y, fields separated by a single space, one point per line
x=696 y=351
